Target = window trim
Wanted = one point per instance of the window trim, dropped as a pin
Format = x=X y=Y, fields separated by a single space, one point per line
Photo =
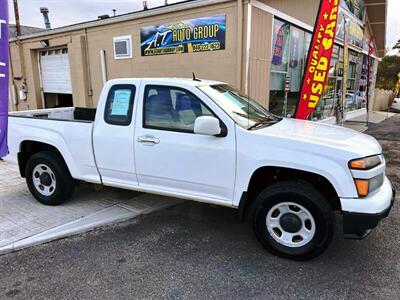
x=126 y=38
x=113 y=88
x=224 y=129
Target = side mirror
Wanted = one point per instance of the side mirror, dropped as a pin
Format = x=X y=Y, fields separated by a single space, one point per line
x=207 y=125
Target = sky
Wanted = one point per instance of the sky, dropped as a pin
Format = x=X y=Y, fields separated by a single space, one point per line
x=66 y=12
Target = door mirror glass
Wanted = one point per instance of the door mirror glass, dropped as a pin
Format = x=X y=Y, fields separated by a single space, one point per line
x=207 y=125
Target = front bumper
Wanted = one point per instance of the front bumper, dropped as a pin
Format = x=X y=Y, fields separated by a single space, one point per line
x=358 y=223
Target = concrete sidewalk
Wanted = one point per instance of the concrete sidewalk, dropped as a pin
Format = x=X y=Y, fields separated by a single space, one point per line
x=25 y=222
x=375 y=117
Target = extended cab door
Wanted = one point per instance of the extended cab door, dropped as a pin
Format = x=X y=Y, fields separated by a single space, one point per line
x=170 y=157
x=113 y=136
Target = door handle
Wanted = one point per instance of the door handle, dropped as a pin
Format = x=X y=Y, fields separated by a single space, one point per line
x=148 y=140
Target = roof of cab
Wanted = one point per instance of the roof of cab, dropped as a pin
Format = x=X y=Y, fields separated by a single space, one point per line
x=172 y=80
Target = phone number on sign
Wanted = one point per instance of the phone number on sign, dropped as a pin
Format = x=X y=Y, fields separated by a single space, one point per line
x=206 y=47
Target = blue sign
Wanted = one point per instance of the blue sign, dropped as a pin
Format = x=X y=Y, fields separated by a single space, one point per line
x=3 y=76
x=280 y=41
x=196 y=35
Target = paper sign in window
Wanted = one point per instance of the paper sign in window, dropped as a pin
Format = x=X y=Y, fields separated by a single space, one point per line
x=120 y=106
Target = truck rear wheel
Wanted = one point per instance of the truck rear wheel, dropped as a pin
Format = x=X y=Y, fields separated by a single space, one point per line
x=48 y=178
x=293 y=220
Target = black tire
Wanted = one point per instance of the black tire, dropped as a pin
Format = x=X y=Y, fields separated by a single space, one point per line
x=64 y=183
x=305 y=195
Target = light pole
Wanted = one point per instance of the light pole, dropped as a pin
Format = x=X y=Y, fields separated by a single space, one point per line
x=17 y=22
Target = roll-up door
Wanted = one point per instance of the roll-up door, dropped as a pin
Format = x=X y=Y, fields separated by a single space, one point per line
x=56 y=76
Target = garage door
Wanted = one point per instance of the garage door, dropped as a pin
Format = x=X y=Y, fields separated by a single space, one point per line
x=56 y=76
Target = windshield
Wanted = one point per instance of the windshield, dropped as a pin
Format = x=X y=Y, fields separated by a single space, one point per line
x=245 y=111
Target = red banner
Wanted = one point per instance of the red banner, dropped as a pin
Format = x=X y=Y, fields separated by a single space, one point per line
x=319 y=58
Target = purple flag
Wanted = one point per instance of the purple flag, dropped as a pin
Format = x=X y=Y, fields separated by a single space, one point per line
x=4 y=70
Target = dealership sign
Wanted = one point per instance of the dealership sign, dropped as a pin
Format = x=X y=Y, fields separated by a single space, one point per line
x=319 y=58
x=3 y=76
x=355 y=32
x=196 y=35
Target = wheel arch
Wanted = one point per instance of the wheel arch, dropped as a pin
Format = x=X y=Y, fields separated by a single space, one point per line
x=267 y=175
x=28 y=148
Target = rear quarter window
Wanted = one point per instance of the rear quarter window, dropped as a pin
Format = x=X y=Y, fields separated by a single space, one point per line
x=119 y=105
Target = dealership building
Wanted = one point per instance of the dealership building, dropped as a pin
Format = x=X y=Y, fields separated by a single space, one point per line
x=258 y=46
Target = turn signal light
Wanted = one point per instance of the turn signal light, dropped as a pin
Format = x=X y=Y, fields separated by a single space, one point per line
x=365 y=163
x=362 y=187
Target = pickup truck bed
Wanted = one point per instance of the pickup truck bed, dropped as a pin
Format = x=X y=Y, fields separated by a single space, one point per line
x=71 y=128
x=75 y=114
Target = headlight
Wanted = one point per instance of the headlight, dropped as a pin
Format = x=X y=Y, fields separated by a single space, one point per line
x=366 y=186
x=365 y=163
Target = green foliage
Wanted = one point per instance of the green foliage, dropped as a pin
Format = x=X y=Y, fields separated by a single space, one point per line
x=388 y=69
x=397 y=46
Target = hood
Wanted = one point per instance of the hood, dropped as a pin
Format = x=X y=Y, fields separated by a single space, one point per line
x=319 y=134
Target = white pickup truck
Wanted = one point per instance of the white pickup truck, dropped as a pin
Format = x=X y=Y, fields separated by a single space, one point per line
x=205 y=141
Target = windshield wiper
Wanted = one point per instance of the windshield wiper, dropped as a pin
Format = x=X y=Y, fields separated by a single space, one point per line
x=263 y=124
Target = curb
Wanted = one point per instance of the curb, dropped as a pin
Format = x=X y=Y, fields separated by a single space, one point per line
x=111 y=215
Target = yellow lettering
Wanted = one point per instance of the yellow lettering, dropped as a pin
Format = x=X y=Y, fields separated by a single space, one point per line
x=333 y=15
x=327 y=43
x=330 y=29
x=323 y=64
x=317 y=88
x=312 y=103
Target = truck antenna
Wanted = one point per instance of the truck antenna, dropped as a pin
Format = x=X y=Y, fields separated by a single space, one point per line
x=194 y=77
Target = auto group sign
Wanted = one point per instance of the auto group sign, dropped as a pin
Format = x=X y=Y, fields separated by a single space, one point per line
x=3 y=77
x=196 y=35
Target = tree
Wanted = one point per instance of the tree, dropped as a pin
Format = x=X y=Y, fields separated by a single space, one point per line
x=388 y=69
x=397 y=46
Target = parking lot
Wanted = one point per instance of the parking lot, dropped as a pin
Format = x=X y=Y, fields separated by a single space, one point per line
x=199 y=251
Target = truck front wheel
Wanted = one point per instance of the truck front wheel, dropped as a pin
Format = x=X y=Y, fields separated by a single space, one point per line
x=293 y=220
x=48 y=178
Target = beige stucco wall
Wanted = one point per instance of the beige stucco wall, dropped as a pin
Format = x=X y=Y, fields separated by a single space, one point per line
x=304 y=10
x=218 y=65
x=260 y=55
x=24 y=57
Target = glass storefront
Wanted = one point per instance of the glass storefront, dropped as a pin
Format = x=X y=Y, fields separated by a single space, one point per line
x=290 y=47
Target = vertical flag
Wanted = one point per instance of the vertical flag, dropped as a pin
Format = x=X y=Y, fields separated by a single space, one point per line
x=4 y=70
x=319 y=58
x=345 y=70
x=371 y=50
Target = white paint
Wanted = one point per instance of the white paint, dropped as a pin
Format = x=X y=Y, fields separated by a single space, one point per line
x=55 y=72
x=103 y=65
x=1 y=74
x=1 y=23
x=198 y=167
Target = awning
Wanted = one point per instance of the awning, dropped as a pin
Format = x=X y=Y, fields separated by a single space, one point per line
x=376 y=11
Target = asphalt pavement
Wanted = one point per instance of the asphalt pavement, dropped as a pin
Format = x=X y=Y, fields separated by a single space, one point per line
x=197 y=251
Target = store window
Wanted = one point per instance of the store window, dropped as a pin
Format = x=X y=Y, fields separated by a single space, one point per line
x=290 y=45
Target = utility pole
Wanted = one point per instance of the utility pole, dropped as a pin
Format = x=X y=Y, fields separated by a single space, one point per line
x=17 y=22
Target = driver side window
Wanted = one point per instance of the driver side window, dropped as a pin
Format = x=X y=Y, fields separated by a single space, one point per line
x=171 y=108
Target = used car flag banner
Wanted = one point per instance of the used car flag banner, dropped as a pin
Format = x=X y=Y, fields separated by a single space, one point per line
x=319 y=58
x=3 y=76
